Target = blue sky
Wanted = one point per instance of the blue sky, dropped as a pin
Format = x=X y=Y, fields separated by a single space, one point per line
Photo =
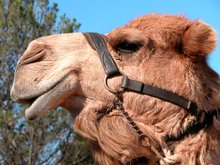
x=103 y=16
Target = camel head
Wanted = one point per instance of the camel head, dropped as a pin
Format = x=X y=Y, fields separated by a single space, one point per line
x=164 y=51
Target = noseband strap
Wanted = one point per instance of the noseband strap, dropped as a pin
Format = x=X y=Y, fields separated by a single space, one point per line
x=98 y=43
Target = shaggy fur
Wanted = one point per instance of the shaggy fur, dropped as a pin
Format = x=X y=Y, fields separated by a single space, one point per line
x=172 y=55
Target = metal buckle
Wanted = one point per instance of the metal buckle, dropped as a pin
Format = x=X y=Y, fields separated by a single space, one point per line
x=143 y=140
x=107 y=77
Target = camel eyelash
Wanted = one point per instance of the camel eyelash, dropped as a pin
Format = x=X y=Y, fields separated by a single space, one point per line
x=127 y=47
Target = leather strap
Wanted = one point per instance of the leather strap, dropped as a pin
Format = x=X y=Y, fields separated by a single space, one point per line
x=160 y=93
x=99 y=44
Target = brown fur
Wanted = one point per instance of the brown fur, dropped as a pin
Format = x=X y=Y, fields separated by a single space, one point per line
x=172 y=56
x=162 y=72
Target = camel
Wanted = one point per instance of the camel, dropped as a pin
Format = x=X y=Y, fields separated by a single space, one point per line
x=121 y=126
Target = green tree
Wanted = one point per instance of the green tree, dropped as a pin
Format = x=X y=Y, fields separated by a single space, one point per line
x=49 y=140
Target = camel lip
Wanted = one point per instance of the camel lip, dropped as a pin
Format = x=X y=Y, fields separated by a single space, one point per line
x=39 y=103
x=40 y=106
x=23 y=96
x=37 y=107
x=47 y=101
x=27 y=102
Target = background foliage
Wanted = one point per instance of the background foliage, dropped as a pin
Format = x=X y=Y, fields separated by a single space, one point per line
x=49 y=140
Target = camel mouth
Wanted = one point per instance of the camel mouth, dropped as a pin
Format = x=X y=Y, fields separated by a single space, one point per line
x=40 y=103
x=49 y=100
x=46 y=98
x=38 y=106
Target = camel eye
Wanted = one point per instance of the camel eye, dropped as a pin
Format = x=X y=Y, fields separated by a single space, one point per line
x=126 y=47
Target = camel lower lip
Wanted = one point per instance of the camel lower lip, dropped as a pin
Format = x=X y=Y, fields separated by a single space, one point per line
x=47 y=101
x=42 y=104
x=39 y=107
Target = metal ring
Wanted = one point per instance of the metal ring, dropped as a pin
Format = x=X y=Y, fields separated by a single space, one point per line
x=110 y=89
x=141 y=138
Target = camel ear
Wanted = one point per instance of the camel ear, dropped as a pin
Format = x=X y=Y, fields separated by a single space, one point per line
x=199 y=39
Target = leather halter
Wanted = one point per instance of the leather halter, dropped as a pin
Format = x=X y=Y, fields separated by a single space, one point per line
x=203 y=118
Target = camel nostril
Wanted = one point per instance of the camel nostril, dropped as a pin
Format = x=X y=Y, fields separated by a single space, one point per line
x=32 y=57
